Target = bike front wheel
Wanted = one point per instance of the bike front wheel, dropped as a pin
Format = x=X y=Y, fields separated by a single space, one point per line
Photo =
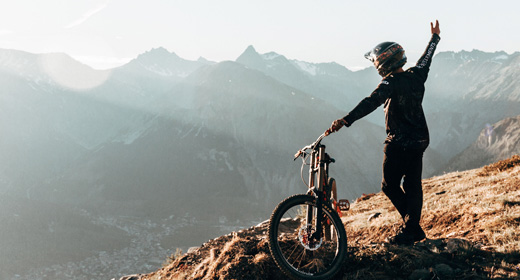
x=293 y=243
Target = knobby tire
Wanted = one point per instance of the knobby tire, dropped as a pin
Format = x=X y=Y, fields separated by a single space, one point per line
x=286 y=246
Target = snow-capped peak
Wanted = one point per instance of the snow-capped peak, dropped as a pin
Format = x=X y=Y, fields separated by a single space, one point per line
x=270 y=56
x=501 y=57
x=306 y=67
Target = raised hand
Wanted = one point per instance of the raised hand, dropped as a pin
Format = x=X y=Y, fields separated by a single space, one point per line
x=435 y=29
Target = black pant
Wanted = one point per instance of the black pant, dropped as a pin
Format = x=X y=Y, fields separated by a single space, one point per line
x=399 y=163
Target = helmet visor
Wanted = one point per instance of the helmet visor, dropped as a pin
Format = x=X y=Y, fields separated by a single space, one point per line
x=382 y=52
x=371 y=56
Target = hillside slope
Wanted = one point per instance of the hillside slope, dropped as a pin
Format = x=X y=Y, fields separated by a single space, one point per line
x=495 y=142
x=470 y=218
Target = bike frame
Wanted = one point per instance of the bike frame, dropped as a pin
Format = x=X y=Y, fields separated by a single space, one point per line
x=312 y=245
x=318 y=175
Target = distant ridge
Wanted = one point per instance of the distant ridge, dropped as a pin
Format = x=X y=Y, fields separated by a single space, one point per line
x=496 y=142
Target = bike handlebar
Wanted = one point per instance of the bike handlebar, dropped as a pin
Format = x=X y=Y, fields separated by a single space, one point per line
x=313 y=145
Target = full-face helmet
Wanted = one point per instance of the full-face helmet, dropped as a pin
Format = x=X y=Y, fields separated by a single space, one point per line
x=387 y=57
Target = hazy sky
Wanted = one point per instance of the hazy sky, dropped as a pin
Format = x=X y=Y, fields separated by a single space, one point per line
x=108 y=33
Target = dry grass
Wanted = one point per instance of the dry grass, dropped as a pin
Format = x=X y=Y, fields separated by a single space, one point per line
x=480 y=207
x=239 y=255
x=500 y=166
x=471 y=219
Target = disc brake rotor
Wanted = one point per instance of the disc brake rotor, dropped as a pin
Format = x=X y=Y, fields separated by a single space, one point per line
x=305 y=235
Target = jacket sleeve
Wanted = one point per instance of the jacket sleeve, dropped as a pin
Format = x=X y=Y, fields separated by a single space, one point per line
x=423 y=64
x=370 y=103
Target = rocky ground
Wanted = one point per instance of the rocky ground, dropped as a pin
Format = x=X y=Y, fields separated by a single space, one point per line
x=471 y=219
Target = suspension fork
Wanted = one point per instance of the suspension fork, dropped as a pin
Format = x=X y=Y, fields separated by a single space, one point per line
x=317 y=174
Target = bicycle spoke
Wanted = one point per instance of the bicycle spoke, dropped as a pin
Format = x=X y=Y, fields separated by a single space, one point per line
x=293 y=243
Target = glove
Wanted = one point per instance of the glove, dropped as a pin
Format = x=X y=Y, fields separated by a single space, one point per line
x=336 y=125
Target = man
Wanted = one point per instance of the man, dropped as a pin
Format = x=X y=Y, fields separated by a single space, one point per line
x=407 y=133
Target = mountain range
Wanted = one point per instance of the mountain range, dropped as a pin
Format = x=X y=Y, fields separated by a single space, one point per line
x=174 y=152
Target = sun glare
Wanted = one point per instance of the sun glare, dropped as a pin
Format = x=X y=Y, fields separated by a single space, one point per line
x=70 y=74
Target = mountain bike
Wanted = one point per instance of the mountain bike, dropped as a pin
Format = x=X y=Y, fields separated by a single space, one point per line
x=306 y=236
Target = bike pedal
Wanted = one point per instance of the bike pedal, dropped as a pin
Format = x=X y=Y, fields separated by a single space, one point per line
x=344 y=204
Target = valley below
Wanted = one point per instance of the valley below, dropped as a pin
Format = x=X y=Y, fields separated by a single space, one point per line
x=147 y=247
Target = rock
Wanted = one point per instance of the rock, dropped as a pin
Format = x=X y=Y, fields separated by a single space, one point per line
x=192 y=249
x=264 y=223
x=449 y=235
x=420 y=274
x=479 y=246
x=444 y=271
x=365 y=197
x=456 y=245
x=131 y=277
x=373 y=216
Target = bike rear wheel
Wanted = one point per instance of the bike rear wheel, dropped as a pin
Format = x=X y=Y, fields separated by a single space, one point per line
x=291 y=241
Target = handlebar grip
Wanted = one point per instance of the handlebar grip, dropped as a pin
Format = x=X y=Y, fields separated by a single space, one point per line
x=297 y=155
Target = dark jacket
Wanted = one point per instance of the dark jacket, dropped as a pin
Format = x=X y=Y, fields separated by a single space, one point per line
x=402 y=93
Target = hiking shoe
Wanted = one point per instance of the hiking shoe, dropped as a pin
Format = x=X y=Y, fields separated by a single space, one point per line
x=407 y=236
x=418 y=234
x=403 y=237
